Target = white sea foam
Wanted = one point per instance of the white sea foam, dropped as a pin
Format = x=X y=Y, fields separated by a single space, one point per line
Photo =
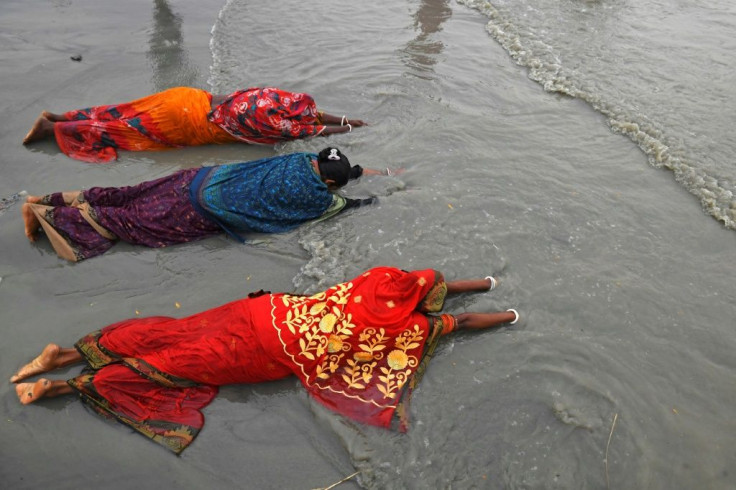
x=610 y=56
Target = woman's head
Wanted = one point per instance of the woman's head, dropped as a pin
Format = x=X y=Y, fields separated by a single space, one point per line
x=335 y=169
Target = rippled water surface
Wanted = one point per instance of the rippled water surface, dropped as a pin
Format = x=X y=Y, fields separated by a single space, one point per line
x=579 y=150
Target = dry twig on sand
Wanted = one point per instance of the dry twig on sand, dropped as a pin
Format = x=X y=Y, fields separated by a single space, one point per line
x=339 y=482
x=613 y=426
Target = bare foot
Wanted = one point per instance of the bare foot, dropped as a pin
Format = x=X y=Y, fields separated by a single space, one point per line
x=30 y=392
x=31 y=222
x=34 y=199
x=43 y=363
x=43 y=388
x=41 y=129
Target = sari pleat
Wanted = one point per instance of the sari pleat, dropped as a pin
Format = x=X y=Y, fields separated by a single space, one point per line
x=169 y=416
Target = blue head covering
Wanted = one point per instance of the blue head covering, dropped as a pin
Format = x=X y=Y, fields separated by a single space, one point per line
x=269 y=195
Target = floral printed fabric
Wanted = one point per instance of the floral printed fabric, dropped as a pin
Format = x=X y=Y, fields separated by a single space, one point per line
x=267 y=116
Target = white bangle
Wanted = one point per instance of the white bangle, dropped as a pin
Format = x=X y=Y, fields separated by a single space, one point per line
x=350 y=128
x=388 y=171
x=342 y=121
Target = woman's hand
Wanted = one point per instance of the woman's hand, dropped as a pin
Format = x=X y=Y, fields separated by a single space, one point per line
x=386 y=171
x=394 y=171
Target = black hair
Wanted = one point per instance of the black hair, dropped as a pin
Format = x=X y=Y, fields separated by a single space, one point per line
x=335 y=166
x=355 y=172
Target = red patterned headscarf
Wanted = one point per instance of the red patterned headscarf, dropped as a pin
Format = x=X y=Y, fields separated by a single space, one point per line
x=267 y=116
x=356 y=345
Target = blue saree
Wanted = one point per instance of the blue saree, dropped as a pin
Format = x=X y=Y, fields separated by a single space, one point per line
x=269 y=195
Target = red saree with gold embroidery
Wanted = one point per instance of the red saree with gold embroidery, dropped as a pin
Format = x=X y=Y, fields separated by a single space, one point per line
x=356 y=347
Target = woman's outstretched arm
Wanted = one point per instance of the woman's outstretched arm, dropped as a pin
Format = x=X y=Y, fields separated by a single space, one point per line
x=336 y=130
x=485 y=320
x=471 y=285
x=385 y=171
x=341 y=120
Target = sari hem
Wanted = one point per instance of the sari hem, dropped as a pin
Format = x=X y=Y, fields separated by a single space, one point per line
x=62 y=245
x=95 y=354
x=176 y=438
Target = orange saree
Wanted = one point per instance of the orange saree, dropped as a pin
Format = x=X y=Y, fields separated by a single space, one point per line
x=173 y=118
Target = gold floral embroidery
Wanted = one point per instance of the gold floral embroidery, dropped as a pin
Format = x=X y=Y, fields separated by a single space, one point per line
x=328 y=366
x=324 y=333
x=356 y=372
x=334 y=344
x=363 y=356
x=321 y=326
x=299 y=318
x=327 y=323
x=372 y=342
x=394 y=376
x=317 y=308
x=409 y=339
x=397 y=359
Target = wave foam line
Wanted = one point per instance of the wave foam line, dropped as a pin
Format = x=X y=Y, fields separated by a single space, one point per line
x=715 y=199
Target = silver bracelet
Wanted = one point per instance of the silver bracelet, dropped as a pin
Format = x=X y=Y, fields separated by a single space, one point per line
x=388 y=171
x=342 y=121
x=350 y=128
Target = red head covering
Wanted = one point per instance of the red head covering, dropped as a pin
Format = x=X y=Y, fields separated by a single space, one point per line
x=267 y=115
x=356 y=345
